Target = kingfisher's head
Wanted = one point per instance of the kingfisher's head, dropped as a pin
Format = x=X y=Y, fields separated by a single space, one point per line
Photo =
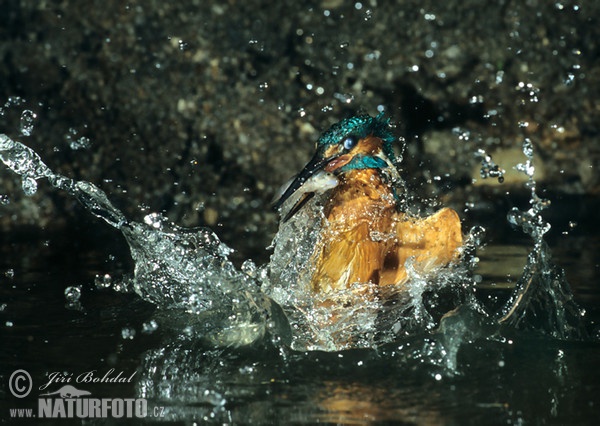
x=361 y=142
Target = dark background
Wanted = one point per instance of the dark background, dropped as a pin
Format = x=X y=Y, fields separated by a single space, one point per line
x=201 y=110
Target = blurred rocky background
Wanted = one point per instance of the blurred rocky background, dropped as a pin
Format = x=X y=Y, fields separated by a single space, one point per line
x=201 y=110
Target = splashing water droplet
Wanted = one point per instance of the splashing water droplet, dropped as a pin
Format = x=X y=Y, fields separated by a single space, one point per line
x=27 y=119
x=488 y=167
x=103 y=281
x=81 y=143
x=477 y=235
x=73 y=294
x=528 y=148
x=345 y=98
x=249 y=268
x=188 y=269
x=29 y=185
x=149 y=327
x=128 y=333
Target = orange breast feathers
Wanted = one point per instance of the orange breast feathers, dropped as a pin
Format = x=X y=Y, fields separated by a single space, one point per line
x=365 y=239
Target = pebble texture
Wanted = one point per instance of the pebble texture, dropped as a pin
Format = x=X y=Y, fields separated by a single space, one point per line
x=202 y=110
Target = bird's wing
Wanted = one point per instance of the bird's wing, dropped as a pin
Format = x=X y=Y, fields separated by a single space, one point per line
x=431 y=242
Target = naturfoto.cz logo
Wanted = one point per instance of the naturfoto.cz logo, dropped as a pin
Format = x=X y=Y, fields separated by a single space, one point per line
x=71 y=402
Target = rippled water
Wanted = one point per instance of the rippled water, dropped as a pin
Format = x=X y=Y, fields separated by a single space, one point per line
x=210 y=341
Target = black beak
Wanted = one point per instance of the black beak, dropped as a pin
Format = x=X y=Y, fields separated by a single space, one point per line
x=316 y=164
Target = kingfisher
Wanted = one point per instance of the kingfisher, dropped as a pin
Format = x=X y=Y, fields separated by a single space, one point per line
x=367 y=236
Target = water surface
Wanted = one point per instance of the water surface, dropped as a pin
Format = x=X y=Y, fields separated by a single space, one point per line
x=503 y=377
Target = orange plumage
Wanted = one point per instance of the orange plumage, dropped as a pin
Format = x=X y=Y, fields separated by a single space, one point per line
x=364 y=237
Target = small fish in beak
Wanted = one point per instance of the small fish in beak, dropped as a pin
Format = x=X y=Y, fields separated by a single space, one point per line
x=318 y=183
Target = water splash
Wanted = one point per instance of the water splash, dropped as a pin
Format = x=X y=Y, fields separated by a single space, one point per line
x=489 y=169
x=364 y=315
x=188 y=270
x=175 y=268
x=542 y=299
x=27 y=122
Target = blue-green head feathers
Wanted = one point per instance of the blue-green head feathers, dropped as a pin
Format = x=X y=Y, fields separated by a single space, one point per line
x=364 y=162
x=360 y=127
x=342 y=137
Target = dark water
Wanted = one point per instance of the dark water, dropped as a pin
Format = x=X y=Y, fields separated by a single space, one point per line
x=501 y=376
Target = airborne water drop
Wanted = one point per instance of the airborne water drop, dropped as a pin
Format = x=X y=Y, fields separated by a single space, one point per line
x=27 y=119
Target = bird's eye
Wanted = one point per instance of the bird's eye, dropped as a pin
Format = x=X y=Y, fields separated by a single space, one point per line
x=350 y=141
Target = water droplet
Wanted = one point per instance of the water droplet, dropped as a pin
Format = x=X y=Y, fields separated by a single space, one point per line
x=528 y=148
x=27 y=119
x=155 y=220
x=73 y=293
x=515 y=217
x=345 y=98
x=249 y=268
x=29 y=186
x=128 y=333
x=81 y=143
x=569 y=79
x=149 y=327
x=373 y=56
x=477 y=235
x=489 y=169
x=103 y=281
x=499 y=77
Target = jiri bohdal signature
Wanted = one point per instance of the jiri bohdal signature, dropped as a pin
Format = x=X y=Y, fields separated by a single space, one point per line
x=92 y=376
